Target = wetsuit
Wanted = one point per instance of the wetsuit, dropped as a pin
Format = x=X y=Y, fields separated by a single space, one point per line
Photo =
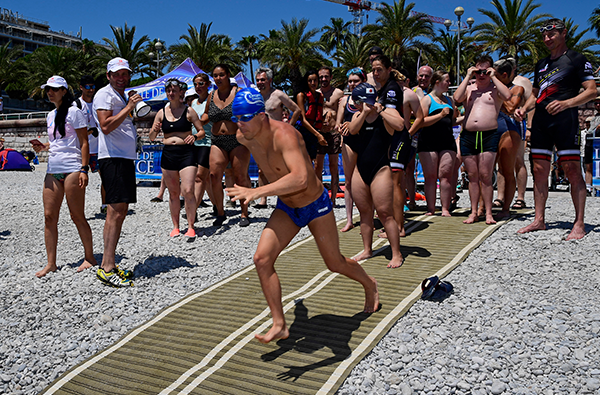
x=227 y=142
x=177 y=156
x=558 y=79
x=373 y=153
x=439 y=136
x=351 y=140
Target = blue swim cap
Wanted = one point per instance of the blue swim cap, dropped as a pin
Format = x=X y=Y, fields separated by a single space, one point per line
x=248 y=101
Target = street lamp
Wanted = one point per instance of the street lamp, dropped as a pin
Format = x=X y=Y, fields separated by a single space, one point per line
x=159 y=49
x=458 y=11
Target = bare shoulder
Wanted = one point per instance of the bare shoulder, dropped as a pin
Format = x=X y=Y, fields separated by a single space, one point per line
x=284 y=135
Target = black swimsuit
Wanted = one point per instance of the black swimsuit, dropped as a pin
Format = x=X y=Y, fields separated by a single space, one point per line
x=351 y=140
x=177 y=156
x=373 y=153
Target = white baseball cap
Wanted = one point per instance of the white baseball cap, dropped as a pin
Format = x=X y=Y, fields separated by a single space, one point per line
x=56 y=81
x=117 y=64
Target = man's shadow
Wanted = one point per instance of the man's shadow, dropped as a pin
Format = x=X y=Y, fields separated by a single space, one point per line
x=308 y=335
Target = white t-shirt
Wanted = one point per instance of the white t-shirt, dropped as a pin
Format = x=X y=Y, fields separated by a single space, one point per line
x=91 y=123
x=65 y=152
x=121 y=142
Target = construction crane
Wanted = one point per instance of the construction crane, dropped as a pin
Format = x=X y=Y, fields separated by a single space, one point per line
x=436 y=19
x=357 y=8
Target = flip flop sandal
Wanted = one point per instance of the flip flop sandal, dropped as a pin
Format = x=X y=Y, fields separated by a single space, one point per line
x=436 y=290
x=498 y=203
x=519 y=204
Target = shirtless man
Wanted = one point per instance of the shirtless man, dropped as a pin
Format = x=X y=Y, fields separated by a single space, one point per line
x=280 y=152
x=275 y=100
x=556 y=96
x=424 y=78
x=479 y=137
x=333 y=148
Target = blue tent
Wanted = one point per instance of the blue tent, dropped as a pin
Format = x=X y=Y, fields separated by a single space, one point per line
x=13 y=160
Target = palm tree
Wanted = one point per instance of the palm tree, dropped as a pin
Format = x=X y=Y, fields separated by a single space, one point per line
x=595 y=20
x=8 y=54
x=45 y=62
x=292 y=51
x=335 y=35
x=397 y=31
x=205 y=49
x=354 y=52
x=124 y=46
x=513 y=29
x=249 y=47
x=442 y=54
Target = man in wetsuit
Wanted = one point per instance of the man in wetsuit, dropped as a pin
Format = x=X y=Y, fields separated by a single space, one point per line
x=275 y=100
x=279 y=151
x=555 y=97
x=331 y=97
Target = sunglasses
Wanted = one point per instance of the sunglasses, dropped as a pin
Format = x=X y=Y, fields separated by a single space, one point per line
x=88 y=87
x=201 y=83
x=550 y=27
x=243 y=118
x=54 y=89
x=180 y=84
x=480 y=72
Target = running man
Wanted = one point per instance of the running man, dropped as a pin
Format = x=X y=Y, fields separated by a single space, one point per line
x=279 y=151
x=555 y=97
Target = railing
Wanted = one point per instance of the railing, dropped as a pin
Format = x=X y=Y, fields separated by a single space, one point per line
x=23 y=115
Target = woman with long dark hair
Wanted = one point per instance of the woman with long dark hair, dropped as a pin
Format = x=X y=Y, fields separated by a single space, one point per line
x=311 y=107
x=350 y=142
x=68 y=166
x=178 y=161
x=225 y=147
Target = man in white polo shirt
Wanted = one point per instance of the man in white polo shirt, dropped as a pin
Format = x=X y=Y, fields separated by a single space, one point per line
x=116 y=155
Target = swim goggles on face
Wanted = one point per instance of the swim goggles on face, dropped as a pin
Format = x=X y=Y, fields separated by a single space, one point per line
x=89 y=86
x=480 y=72
x=243 y=118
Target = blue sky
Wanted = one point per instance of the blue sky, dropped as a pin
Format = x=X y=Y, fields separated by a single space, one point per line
x=168 y=20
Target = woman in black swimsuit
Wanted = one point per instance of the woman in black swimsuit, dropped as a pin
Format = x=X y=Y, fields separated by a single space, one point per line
x=372 y=183
x=178 y=159
x=346 y=110
x=225 y=147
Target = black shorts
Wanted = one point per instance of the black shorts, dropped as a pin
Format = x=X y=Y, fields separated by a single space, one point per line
x=588 y=154
x=475 y=143
x=310 y=141
x=177 y=157
x=203 y=155
x=118 y=180
x=560 y=131
x=334 y=144
x=401 y=149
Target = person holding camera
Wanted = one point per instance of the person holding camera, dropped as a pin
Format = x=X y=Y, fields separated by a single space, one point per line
x=87 y=86
x=479 y=137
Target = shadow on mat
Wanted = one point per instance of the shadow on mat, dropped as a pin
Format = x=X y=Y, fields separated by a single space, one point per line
x=308 y=335
x=406 y=251
x=155 y=265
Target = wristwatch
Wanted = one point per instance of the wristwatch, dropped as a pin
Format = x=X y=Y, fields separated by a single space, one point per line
x=85 y=168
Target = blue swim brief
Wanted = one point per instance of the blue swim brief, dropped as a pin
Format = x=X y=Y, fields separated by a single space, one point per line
x=302 y=216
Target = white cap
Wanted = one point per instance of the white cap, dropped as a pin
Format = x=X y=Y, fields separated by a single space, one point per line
x=190 y=92
x=117 y=64
x=56 y=81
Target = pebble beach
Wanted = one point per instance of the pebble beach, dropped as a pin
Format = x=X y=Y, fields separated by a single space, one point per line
x=524 y=318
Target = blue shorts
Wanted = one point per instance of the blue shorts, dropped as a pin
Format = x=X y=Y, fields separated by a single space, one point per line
x=302 y=216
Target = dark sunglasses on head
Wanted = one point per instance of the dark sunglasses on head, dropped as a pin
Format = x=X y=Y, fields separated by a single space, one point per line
x=550 y=27
x=480 y=72
x=89 y=86
x=242 y=118
x=54 y=89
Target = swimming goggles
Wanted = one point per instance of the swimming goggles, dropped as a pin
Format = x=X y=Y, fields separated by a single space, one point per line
x=480 y=72
x=174 y=82
x=243 y=118
x=89 y=86
x=356 y=70
x=547 y=28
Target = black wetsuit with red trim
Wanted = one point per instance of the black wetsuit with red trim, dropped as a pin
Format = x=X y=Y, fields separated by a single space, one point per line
x=558 y=79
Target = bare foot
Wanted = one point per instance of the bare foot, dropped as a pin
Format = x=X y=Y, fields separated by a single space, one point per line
x=489 y=220
x=402 y=232
x=49 y=268
x=532 y=227
x=430 y=213
x=446 y=213
x=576 y=233
x=396 y=262
x=372 y=298
x=382 y=235
x=363 y=255
x=471 y=219
x=273 y=334
x=86 y=265
x=348 y=226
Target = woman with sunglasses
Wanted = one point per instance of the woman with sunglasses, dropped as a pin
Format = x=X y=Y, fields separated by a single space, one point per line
x=225 y=147
x=350 y=142
x=310 y=123
x=178 y=161
x=436 y=146
x=372 y=182
x=68 y=166
x=202 y=146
